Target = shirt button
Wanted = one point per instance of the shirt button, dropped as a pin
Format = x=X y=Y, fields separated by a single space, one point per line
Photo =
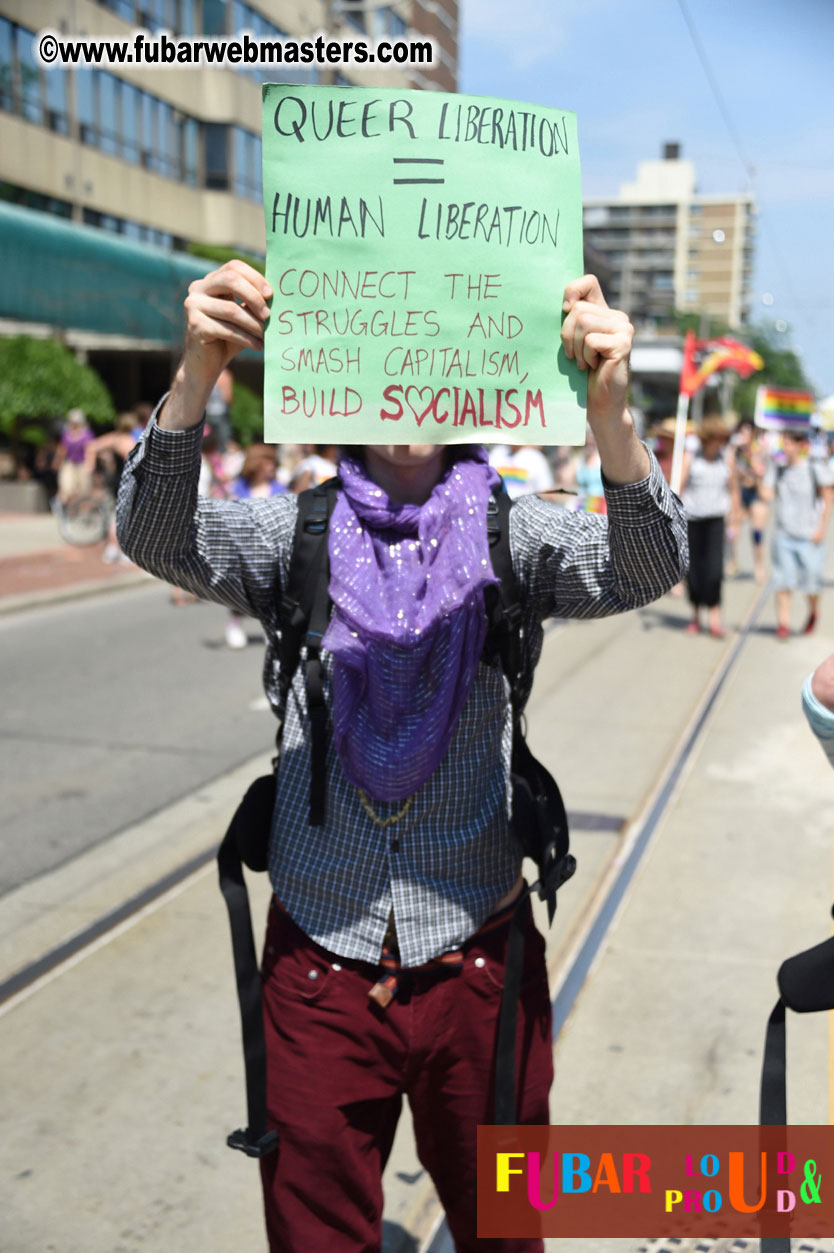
x=479 y=961
x=336 y=966
x=270 y=948
x=312 y=974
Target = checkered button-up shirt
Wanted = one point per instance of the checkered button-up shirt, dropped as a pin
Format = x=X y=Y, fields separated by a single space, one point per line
x=448 y=861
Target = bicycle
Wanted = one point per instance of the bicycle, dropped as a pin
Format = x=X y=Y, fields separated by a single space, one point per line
x=85 y=520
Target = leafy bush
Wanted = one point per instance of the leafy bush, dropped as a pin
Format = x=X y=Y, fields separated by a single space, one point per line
x=41 y=379
x=221 y=253
x=247 y=415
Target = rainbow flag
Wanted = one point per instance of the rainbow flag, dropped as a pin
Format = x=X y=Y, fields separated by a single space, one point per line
x=783 y=408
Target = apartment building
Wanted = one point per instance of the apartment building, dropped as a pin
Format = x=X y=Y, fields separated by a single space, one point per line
x=669 y=247
x=152 y=159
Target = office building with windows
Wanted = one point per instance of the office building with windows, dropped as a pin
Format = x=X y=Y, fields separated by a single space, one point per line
x=669 y=247
x=148 y=158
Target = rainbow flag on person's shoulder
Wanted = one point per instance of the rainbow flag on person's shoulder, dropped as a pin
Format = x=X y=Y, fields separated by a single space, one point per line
x=783 y=408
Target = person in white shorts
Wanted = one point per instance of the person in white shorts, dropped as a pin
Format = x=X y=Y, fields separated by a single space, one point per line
x=801 y=491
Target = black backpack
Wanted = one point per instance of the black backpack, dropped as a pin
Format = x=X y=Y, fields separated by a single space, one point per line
x=539 y=820
x=806 y=985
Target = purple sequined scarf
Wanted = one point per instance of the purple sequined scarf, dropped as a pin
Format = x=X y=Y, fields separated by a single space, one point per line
x=407 y=584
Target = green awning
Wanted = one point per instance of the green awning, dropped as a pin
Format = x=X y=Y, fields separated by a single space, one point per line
x=82 y=278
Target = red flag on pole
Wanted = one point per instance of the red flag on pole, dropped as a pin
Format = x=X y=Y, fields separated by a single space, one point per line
x=725 y=353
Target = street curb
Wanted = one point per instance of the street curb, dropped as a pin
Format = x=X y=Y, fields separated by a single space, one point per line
x=77 y=591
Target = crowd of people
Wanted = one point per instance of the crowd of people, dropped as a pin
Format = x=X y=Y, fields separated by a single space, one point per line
x=732 y=479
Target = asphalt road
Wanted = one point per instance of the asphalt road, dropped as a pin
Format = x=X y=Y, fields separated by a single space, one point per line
x=113 y=707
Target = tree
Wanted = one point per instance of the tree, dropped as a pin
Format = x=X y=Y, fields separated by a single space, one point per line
x=220 y=254
x=40 y=380
x=247 y=415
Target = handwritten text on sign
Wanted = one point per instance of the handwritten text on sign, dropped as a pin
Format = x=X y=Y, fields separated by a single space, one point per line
x=418 y=245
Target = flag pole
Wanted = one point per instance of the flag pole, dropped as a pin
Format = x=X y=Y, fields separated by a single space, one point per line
x=680 y=442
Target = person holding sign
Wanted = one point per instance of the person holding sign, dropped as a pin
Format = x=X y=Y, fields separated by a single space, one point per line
x=414 y=857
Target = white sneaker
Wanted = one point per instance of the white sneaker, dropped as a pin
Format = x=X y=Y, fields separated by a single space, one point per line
x=235 y=634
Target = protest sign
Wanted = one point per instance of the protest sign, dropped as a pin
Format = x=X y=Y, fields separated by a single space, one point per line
x=418 y=245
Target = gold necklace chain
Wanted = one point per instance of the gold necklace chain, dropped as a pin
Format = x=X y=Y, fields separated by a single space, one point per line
x=383 y=822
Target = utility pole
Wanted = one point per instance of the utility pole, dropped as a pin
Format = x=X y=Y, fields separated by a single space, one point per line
x=697 y=413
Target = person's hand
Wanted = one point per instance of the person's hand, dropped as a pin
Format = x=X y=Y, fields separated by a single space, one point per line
x=818 y=535
x=224 y=313
x=599 y=339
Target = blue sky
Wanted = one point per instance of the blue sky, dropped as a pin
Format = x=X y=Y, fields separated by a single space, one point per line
x=630 y=71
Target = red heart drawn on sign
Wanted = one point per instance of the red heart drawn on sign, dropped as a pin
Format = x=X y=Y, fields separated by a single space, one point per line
x=420 y=416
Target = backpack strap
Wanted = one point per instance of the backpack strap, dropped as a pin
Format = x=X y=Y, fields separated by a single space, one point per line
x=539 y=819
x=815 y=482
x=503 y=603
x=304 y=614
x=806 y=985
x=245 y=843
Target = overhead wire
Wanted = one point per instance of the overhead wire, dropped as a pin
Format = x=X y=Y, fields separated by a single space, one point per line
x=747 y=164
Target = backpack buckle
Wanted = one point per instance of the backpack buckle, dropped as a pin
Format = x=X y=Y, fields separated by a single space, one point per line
x=554 y=874
x=316 y=523
x=265 y=1144
x=512 y=616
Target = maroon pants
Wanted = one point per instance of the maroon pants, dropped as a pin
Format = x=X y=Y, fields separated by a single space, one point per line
x=338 y=1066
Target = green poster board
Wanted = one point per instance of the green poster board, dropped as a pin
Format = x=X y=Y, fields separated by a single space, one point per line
x=418 y=245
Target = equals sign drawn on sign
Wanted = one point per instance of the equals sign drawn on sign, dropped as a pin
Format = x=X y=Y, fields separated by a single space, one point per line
x=418 y=161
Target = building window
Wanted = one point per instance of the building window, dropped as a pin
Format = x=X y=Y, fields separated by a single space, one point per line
x=159 y=15
x=57 y=111
x=596 y=215
x=191 y=151
x=247 y=167
x=150 y=132
x=131 y=124
x=6 y=66
x=353 y=12
x=122 y=8
x=390 y=24
x=215 y=156
x=170 y=153
x=26 y=89
x=31 y=104
x=244 y=17
x=108 y=113
x=29 y=199
x=188 y=17
x=214 y=17
x=131 y=230
x=123 y=121
x=104 y=221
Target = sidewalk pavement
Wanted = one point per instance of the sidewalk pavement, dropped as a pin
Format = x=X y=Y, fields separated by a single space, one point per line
x=38 y=567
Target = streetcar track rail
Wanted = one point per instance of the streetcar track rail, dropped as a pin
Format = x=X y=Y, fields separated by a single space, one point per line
x=571 y=969
x=573 y=963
